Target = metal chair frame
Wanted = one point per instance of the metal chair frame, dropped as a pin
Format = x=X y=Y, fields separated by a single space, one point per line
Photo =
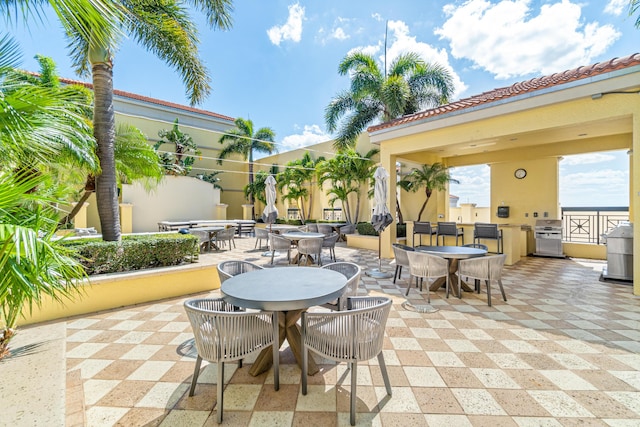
x=421 y=228
x=449 y=229
x=488 y=231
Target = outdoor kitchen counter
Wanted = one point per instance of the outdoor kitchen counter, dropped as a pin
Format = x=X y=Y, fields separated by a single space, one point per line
x=515 y=239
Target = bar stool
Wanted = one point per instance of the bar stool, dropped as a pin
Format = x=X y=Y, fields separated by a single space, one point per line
x=449 y=229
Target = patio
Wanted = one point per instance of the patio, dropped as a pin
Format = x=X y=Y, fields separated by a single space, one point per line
x=562 y=351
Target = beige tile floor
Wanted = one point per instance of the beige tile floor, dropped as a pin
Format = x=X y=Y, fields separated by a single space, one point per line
x=562 y=351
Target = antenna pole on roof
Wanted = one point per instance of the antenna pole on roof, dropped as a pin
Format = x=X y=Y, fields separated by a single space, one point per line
x=386 y=30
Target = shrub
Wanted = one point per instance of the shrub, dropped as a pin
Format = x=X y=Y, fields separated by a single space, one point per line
x=366 y=229
x=134 y=252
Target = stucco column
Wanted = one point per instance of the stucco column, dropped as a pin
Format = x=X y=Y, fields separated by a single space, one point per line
x=221 y=211
x=247 y=211
x=126 y=218
x=80 y=220
x=634 y=200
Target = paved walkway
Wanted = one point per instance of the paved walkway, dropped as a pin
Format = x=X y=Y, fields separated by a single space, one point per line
x=564 y=350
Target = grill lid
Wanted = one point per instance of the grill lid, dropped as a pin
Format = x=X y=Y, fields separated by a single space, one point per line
x=624 y=229
x=548 y=224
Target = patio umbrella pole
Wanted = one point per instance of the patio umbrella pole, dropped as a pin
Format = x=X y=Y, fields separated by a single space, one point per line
x=377 y=273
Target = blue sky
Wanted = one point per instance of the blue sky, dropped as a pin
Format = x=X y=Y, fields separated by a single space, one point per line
x=278 y=64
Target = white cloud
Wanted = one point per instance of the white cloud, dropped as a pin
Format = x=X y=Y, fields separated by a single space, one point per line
x=507 y=39
x=586 y=159
x=339 y=34
x=311 y=134
x=606 y=187
x=475 y=185
x=291 y=30
x=401 y=41
x=616 y=7
x=377 y=17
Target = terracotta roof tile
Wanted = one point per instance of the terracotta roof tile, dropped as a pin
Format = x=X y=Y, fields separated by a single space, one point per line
x=153 y=100
x=518 y=88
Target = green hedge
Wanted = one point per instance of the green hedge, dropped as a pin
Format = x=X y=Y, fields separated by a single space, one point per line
x=366 y=229
x=134 y=252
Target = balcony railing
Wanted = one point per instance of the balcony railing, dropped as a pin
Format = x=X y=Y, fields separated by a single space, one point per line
x=587 y=225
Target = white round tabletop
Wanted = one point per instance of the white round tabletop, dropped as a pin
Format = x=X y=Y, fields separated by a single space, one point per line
x=283 y=288
x=299 y=235
x=457 y=252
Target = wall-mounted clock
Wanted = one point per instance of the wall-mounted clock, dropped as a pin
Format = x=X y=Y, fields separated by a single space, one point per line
x=520 y=173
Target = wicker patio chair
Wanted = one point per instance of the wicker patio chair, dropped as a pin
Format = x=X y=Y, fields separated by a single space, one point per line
x=329 y=242
x=227 y=235
x=402 y=260
x=486 y=268
x=308 y=248
x=224 y=335
x=228 y=269
x=347 y=229
x=426 y=266
x=326 y=229
x=352 y=272
x=312 y=227
x=261 y=234
x=279 y=243
x=347 y=336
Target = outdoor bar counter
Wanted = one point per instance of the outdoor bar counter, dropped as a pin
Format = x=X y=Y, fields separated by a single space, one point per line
x=517 y=239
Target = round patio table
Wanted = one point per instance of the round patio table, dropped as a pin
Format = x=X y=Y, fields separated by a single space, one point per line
x=452 y=254
x=288 y=291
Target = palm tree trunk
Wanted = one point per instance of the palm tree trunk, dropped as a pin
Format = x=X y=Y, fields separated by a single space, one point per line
x=75 y=209
x=424 y=205
x=104 y=130
x=251 y=197
x=399 y=212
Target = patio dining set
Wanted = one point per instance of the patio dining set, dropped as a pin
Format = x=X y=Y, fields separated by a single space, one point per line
x=260 y=308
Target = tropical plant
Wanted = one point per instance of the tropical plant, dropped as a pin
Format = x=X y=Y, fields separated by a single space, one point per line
x=94 y=28
x=634 y=7
x=256 y=189
x=298 y=179
x=212 y=178
x=135 y=160
x=410 y=85
x=431 y=177
x=243 y=141
x=181 y=160
x=347 y=172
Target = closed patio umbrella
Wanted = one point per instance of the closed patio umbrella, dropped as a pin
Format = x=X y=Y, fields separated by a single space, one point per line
x=270 y=212
x=381 y=216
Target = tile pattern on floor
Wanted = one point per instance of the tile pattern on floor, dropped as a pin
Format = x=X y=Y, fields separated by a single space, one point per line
x=563 y=350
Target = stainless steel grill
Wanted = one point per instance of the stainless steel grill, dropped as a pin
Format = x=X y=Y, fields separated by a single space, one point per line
x=549 y=238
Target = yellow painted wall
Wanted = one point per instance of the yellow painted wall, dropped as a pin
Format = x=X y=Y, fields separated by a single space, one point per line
x=536 y=193
x=121 y=289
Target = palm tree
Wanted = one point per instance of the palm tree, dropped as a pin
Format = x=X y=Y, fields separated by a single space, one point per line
x=176 y=163
x=94 y=28
x=410 y=85
x=431 y=177
x=298 y=178
x=243 y=141
x=348 y=171
x=135 y=160
x=634 y=6
x=36 y=123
